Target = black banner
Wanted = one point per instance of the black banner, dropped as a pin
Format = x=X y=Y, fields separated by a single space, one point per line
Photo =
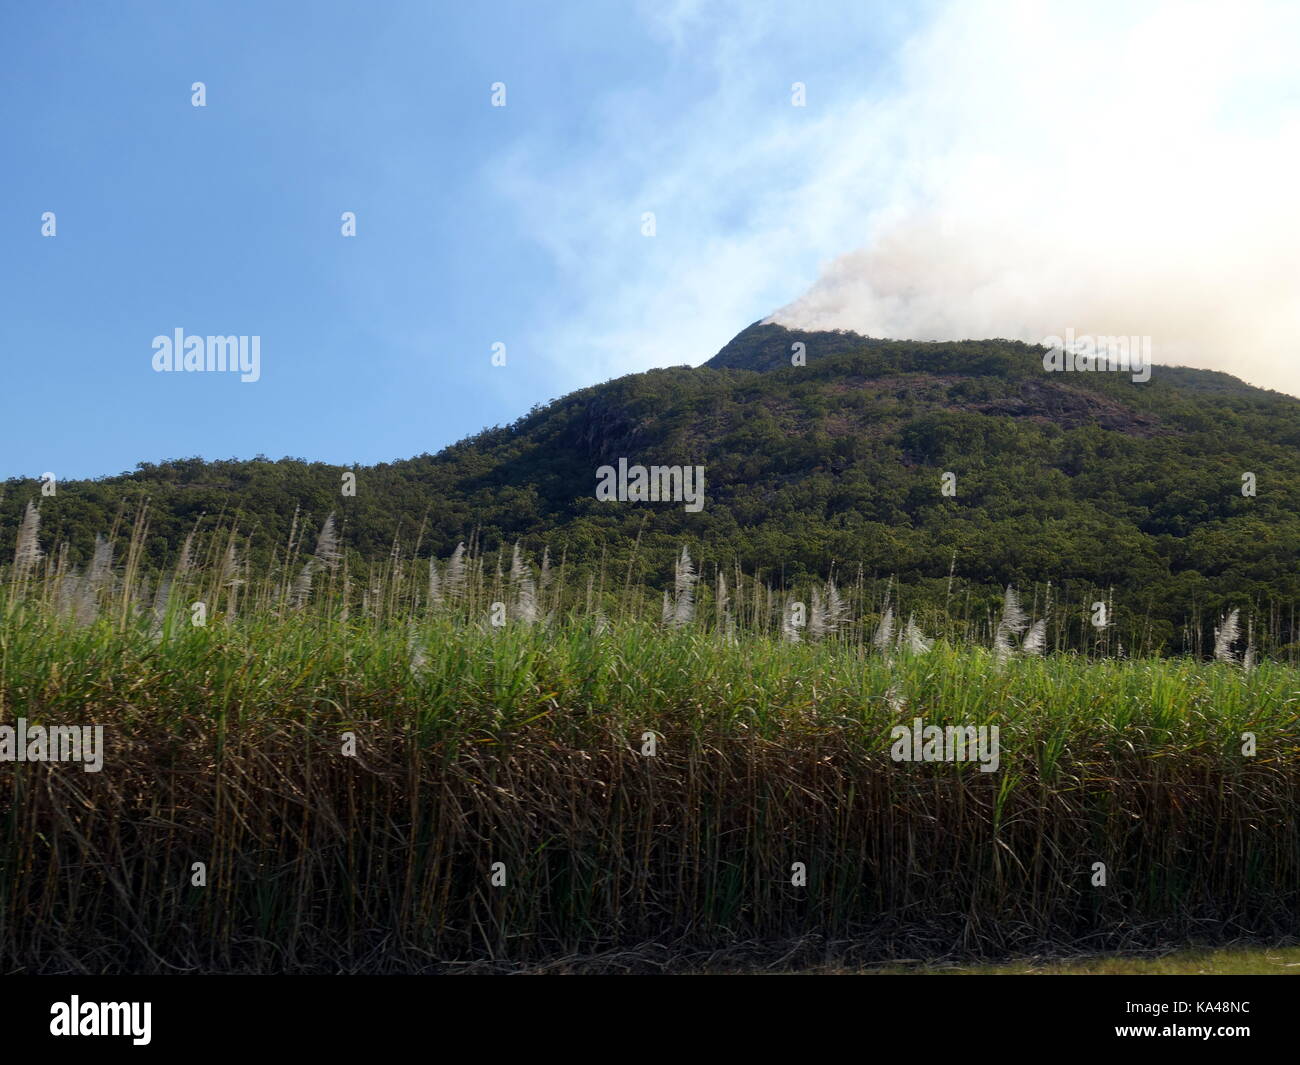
x=1222 y=1015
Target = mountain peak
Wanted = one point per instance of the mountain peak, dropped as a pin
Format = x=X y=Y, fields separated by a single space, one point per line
x=768 y=346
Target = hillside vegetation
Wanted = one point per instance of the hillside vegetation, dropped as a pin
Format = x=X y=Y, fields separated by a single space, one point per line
x=1112 y=490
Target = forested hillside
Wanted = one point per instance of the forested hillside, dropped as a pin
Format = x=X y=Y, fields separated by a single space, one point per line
x=1083 y=479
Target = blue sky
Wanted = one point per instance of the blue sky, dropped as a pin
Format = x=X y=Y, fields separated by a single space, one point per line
x=953 y=174
x=475 y=224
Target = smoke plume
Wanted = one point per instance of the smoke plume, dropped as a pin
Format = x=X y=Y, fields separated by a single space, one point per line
x=1117 y=171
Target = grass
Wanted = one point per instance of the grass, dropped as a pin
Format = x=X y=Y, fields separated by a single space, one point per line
x=372 y=777
x=1227 y=961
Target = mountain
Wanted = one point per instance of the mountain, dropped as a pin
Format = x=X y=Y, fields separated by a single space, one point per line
x=1090 y=479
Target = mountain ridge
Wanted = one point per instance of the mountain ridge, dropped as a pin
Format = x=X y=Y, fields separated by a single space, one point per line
x=766 y=345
